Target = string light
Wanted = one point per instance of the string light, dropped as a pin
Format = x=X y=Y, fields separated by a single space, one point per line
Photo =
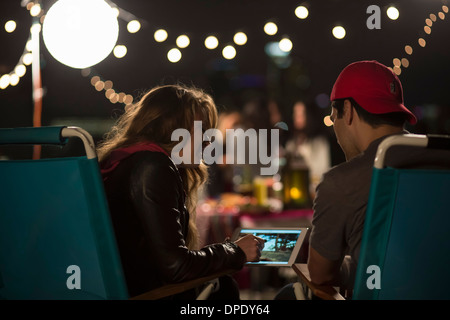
x=4 y=81
x=409 y=50
x=240 y=38
x=35 y=10
x=133 y=26
x=10 y=26
x=174 y=55
x=301 y=12
x=183 y=41
x=211 y=42
x=327 y=121
x=229 y=52
x=422 y=42
x=339 y=32
x=12 y=78
x=393 y=13
x=20 y=70
x=270 y=28
x=160 y=35
x=120 y=51
x=397 y=70
x=404 y=62
x=110 y=92
x=285 y=45
x=116 y=11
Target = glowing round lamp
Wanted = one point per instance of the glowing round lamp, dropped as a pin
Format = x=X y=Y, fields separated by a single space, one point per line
x=80 y=33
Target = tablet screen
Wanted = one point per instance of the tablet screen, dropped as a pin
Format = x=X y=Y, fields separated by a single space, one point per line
x=281 y=245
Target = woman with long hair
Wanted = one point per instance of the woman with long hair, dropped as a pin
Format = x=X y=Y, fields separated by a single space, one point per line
x=153 y=201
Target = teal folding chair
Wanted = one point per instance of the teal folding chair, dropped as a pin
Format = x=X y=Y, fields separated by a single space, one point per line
x=405 y=248
x=56 y=236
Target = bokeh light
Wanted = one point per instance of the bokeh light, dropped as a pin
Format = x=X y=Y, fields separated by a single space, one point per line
x=285 y=45
x=120 y=51
x=211 y=42
x=409 y=50
x=133 y=26
x=327 y=121
x=10 y=26
x=229 y=52
x=240 y=38
x=270 y=28
x=183 y=41
x=339 y=32
x=80 y=33
x=393 y=13
x=160 y=35
x=174 y=55
x=20 y=70
x=301 y=12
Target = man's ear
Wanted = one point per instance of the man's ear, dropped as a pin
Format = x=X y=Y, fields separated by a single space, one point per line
x=348 y=113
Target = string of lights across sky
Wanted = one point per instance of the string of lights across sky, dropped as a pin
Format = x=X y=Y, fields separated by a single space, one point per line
x=174 y=55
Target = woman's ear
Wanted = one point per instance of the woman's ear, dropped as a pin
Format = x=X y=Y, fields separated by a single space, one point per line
x=348 y=112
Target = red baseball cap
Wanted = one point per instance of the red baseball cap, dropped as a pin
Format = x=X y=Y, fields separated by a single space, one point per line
x=373 y=86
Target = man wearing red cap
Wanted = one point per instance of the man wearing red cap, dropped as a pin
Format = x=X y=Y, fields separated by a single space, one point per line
x=367 y=105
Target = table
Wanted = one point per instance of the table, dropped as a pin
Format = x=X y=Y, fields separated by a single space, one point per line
x=215 y=223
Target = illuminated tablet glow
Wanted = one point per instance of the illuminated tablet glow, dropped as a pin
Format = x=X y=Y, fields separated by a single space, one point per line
x=80 y=33
x=278 y=247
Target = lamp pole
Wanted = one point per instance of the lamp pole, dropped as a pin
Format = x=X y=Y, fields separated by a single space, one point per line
x=37 y=81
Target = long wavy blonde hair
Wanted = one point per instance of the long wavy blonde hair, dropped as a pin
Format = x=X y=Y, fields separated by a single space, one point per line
x=158 y=113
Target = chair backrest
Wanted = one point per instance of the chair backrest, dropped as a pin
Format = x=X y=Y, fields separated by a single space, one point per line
x=405 y=249
x=56 y=237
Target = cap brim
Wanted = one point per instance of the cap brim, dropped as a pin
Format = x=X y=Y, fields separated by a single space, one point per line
x=380 y=106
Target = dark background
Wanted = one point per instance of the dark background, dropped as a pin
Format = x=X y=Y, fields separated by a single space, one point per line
x=309 y=72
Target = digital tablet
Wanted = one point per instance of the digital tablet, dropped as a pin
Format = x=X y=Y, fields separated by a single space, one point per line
x=282 y=245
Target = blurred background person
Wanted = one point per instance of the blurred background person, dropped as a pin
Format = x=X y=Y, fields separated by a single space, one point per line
x=221 y=175
x=308 y=146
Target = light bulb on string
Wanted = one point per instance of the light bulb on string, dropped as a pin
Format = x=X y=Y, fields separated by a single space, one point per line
x=133 y=26
x=160 y=35
x=301 y=12
x=270 y=28
x=240 y=38
x=183 y=41
x=285 y=44
x=229 y=52
x=211 y=42
x=10 y=26
x=80 y=33
x=174 y=55
x=120 y=51
x=339 y=32
x=393 y=13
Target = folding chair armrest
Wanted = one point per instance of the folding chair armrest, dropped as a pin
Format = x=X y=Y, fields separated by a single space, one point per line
x=324 y=292
x=175 y=288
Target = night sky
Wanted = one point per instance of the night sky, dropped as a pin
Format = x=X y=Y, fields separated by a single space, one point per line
x=310 y=71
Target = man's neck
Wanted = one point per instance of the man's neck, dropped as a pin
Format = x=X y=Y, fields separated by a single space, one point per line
x=372 y=134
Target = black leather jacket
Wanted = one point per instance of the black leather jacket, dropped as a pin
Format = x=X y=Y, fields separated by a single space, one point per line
x=147 y=205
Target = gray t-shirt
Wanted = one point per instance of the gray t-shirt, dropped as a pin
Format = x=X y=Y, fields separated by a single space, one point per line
x=342 y=196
